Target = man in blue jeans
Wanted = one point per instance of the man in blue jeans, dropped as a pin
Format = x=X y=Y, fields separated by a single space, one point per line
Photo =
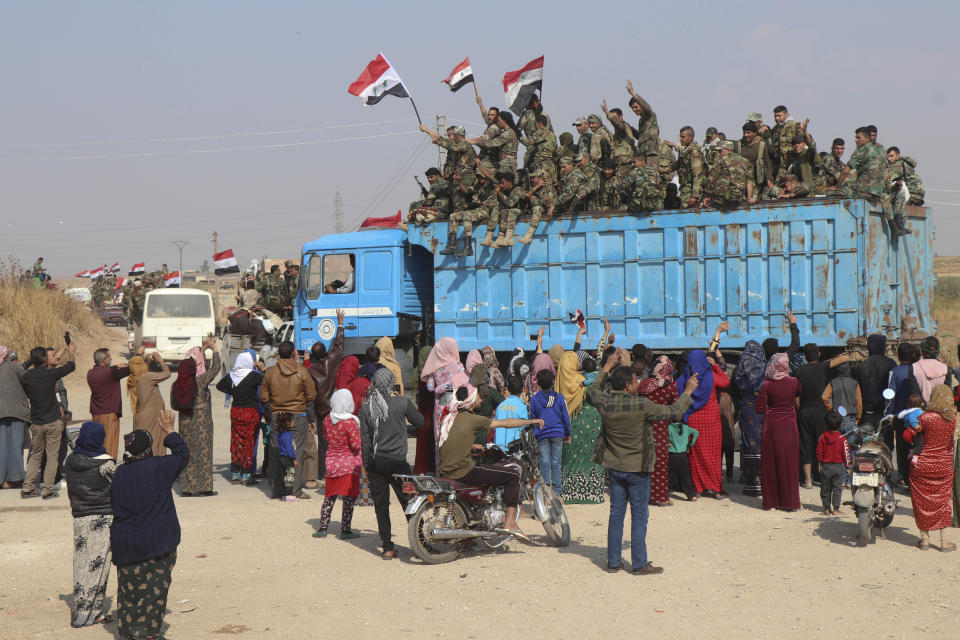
x=629 y=455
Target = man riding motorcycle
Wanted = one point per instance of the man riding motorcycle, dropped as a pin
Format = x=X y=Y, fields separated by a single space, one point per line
x=459 y=431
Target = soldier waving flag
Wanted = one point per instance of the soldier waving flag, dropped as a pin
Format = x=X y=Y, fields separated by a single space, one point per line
x=461 y=75
x=519 y=85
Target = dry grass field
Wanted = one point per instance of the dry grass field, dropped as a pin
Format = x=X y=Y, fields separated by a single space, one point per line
x=946 y=306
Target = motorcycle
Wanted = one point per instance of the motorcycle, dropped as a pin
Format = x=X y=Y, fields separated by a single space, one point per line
x=871 y=481
x=446 y=516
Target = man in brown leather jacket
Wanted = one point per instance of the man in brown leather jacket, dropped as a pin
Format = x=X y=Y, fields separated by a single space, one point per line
x=323 y=370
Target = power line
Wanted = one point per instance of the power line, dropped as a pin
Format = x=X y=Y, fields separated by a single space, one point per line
x=949 y=204
x=244 y=148
x=218 y=137
x=944 y=190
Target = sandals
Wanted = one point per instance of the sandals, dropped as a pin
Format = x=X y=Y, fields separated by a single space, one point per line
x=520 y=535
x=923 y=545
x=947 y=547
x=389 y=554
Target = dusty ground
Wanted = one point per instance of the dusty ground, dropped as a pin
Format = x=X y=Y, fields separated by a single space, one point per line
x=248 y=566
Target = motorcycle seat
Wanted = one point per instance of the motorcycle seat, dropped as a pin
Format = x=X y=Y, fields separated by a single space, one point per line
x=459 y=486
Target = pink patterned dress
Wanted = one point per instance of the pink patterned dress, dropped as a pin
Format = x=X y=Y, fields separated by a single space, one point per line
x=344 y=460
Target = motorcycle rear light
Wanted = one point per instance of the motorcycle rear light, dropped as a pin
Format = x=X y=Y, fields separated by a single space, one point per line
x=407 y=487
x=864 y=466
x=150 y=342
x=430 y=497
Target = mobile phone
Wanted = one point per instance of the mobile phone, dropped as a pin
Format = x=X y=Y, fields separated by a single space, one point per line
x=533 y=337
x=66 y=338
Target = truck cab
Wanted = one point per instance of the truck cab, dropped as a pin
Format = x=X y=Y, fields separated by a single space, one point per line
x=382 y=281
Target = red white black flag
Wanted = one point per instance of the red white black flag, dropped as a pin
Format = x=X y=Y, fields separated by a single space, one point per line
x=224 y=263
x=379 y=79
x=115 y=267
x=172 y=279
x=83 y=274
x=96 y=272
x=462 y=74
x=137 y=269
x=519 y=85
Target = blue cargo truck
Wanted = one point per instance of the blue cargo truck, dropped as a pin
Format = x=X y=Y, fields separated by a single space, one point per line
x=664 y=279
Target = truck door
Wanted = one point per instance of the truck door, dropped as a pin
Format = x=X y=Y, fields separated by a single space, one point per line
x=331 y=285
x=378 y=292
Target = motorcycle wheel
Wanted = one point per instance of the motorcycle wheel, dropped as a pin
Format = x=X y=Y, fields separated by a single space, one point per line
x=863 y=525
x=426 y=517
x=552 y=516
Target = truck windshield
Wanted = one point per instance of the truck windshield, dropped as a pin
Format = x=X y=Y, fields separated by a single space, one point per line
x=179 y=306
x=332 y=273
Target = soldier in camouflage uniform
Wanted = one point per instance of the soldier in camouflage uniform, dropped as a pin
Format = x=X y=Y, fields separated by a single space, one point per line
x=647 y=133
x=490 y=116
x=710 y=150
x=503 y=147
x=789 y=186
x=901 y=186
x=583 y=142
x=437 y=200
x=642 y=185
x=502 y=209
x=541 y=150
x=781 y=138
x=540 y=198
x=610 y=193
x=803 y=161
x=291 y=282
x=591 y=175
x=689 y=168
x=274 y=292
x=460 y=167
x=832 y=164
x=730 y=181
x=623 y=142
x=134 y=302
x=574 y=191
x=663 y=164
x=566 y=148
x=527 y=124
x=869 y=166
x=601 y=142
x=756 y=150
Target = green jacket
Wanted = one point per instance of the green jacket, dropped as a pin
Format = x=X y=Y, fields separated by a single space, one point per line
x=682 y=437
x=628 y=425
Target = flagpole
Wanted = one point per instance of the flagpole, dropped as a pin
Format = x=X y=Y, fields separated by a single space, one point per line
x=415 y=109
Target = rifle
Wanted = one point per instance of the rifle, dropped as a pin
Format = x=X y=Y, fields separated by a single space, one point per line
x=423 y=189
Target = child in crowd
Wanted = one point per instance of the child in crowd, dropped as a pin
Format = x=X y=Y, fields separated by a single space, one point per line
x=288 y=455
x=833 y=458
x=682 y=437
x=513 y=408
x=912 y=431
x=549 y=406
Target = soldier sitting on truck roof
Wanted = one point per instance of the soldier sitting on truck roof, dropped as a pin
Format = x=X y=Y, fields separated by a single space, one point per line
x=540 y=197
x=435 y=203
x=730 y=181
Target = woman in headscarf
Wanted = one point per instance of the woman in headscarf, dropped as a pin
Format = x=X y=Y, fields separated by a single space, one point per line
x=424 y=460
x=145 y=532
x=704 y=416
x=150 y=405
x=490 y=398
x=196 y=421
x=497 y=381
x=89 y=471
x=931 y=472
x=555 y=352
x=384 y=429
x=748 y=378
x=929 y=371
x=661 y=389
x=582 y=479
x=540 y=362
x=348 y=377
x=473 y=359
x=780 y=442
x=443 y=373
x=242 y=385
x=341 y=429
x=138 y=367
x=14 y=416
x=388 y=358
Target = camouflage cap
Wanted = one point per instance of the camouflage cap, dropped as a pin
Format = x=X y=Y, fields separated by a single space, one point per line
x=753 y=116
x=566 y=159
x=460 y=131
x=580 y=157
x=711 y=131
x=580 y=120
x=594 y=119
x=725 y=144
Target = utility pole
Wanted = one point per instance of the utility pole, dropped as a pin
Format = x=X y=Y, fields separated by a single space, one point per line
x=214 y=243
x=440 y=125
x=180 y=244
x=338 y=213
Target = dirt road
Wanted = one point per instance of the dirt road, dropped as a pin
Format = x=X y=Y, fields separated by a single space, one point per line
x=248 y=566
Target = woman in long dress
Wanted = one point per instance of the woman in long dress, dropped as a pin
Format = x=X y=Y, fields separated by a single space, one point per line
x=138 y=367
x=443 y=374
x=931 y=472
x=748 y=378
x=388 y=358
x=780 y=442
x=89 y=471
x=661 y=389
x=349 y=378
x=242 y=385
x=150 y=405
x=196 y=423
x=582 y=479
x=704 y=416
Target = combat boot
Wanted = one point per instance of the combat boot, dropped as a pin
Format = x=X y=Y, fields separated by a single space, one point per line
x=467 y=247
x=506 y=240
x=901 y=224
x=528 y=236
x=488 y=239
x=451 y=247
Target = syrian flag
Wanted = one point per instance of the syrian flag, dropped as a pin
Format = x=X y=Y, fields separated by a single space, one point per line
x=172 y=279
x=224 y=263
x=519 y=85
x=120 y=283
x=379 y=79
x=96 y=273
x=115 y=268
x=137 y=269
x=461 y=75
x=83 y=274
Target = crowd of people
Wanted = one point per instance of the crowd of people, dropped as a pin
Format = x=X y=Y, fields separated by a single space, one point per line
x=627 y=168
x=639 y=427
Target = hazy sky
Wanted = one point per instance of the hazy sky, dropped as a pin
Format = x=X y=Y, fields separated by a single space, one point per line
x=128 y=125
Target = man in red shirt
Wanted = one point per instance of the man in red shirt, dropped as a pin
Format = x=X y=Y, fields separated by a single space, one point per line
x=106 y=401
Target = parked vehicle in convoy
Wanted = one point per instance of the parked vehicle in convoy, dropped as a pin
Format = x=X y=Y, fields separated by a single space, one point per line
x=665 y=279
x=266 y=347
x=872 y=479
x=80 y=294
x=176 y=320
x=445 y=514
x=113 y=314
